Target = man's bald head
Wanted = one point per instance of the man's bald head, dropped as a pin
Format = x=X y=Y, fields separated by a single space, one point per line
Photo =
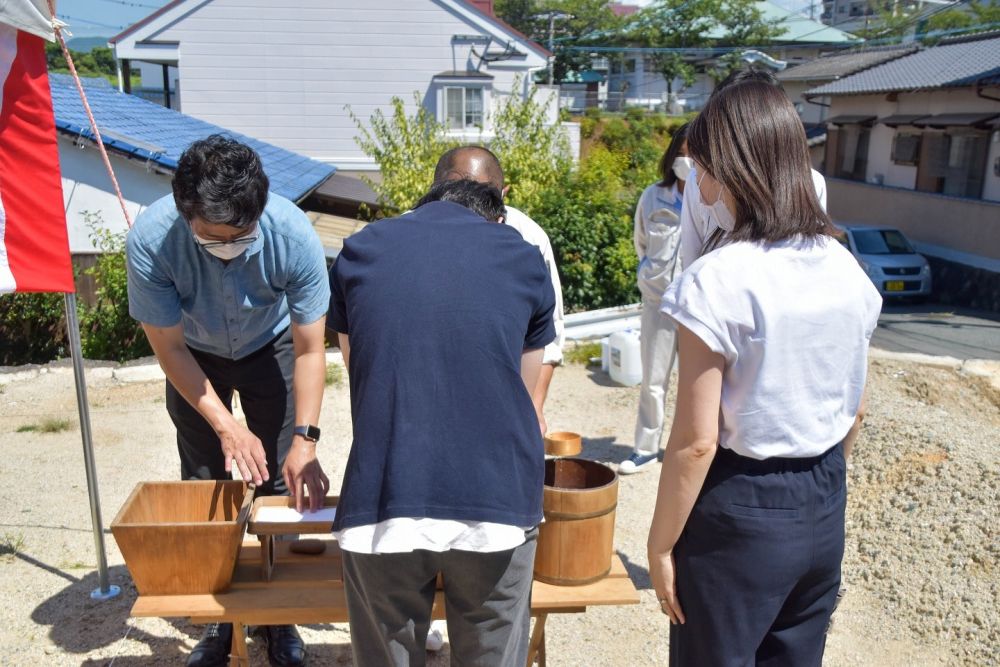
x=474 y=163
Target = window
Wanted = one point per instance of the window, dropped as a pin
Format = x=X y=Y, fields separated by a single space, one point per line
x=881 y=242
x=630 y=65
x=463 y=107
x=906 y=149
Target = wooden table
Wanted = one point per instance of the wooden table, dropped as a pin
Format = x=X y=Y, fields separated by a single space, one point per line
x=309 y=589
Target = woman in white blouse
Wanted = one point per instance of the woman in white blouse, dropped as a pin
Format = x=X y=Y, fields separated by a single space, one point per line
x=773 y=330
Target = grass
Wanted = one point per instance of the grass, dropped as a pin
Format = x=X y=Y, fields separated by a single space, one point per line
x=582 y=353
x=11 y=544
x=334 y=375
x=47 y=425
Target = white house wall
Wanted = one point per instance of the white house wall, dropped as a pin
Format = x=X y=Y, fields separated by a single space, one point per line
x=87 y=187
x=880 y=165
x=287 y=75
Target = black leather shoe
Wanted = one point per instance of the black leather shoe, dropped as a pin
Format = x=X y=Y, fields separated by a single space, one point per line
x=213 y=649
x=285 y=647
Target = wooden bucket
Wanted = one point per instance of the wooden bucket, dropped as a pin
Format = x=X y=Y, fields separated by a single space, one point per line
x=563 y=443
x=576 y=539
x=182 y=537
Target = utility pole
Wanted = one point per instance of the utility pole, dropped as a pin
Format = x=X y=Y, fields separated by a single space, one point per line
x=553 y=15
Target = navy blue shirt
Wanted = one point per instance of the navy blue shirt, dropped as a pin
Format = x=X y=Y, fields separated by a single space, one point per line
x=439 y=305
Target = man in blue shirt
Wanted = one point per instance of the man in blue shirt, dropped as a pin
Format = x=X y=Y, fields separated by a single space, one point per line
x=229 y=283
x=442 y=316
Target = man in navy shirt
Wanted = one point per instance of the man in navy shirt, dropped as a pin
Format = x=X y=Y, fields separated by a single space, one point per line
x=442 y=315
x=229 y=282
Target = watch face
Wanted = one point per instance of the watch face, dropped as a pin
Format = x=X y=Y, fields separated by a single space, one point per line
x=308 y=432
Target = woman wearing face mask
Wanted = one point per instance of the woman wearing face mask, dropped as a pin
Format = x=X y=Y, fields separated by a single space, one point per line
x=657 y=240
x=773 y=330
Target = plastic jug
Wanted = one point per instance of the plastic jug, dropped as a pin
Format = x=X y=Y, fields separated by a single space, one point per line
x=605 y=354
x=626 y=362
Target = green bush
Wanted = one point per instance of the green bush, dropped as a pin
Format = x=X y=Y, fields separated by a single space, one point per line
x=106 y=328
x=32 y=328
x=588 y=220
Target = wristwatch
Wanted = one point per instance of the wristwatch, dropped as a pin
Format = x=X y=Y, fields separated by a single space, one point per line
x=309 y=432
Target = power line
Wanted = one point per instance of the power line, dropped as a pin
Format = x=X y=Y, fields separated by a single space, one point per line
x=132 y=4
x=71 y=19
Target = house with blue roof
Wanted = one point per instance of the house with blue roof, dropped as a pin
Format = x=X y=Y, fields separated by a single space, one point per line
x=144 y=141
x=914 y=143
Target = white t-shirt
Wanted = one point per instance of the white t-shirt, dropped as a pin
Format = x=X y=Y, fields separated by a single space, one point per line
x=656 y=234
x=695 y=230
x=405 y=535
x=793 y=320
x=536 y=236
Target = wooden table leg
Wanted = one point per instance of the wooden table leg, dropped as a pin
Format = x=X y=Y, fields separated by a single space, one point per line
x=239 y=656
x=536 y=647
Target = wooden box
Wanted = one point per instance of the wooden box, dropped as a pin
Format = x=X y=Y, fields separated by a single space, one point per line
x=182 y=537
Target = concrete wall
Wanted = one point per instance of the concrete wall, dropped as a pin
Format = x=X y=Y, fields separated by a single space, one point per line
x=966 y=225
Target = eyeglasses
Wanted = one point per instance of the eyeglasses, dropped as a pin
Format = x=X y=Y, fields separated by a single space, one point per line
x=241 y=241
x=237 y=242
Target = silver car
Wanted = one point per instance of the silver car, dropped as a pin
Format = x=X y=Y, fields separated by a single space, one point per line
x=889 y=260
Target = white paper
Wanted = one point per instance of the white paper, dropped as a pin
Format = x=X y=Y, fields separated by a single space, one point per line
x=271 y=514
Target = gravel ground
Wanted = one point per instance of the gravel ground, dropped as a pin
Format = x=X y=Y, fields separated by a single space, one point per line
x=920 y=567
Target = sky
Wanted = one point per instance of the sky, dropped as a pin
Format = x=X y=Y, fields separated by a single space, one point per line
x=104 y=18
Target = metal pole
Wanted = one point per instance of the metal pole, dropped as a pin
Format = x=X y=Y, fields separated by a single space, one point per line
x=106 y=591
x=552 y=40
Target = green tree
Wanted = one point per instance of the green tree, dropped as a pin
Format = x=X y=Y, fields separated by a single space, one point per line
x=534 y=154
x=979 y=16
x=589 y=22
x=406 y=148
x=689 y=24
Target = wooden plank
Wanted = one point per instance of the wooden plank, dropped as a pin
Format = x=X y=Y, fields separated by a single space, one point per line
x=309 y=589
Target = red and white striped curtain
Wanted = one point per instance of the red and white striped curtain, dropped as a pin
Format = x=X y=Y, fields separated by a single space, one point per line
x=34 y=244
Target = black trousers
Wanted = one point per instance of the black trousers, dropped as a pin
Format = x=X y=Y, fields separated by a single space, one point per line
x=264 y=382
x=758 y=563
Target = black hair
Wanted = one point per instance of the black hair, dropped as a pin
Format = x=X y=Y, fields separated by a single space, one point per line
x=481 y=198
x=452 y=165
x=748 y=73
x=221 y=181
x=667 y=175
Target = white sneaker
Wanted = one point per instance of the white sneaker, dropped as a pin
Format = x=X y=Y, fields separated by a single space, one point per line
x=636 y=463
x=435 y=638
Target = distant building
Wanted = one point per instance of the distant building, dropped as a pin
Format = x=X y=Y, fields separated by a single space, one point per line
x=915 y=143
x=634 y=81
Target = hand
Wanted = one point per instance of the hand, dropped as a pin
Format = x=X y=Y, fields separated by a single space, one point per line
x=303 y=468
x=663 y=574
x=541 y=421
x=245 y=450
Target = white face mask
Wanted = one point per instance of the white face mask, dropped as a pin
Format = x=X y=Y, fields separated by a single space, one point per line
x=682 y=167
x=225 y=251
x=718 y=212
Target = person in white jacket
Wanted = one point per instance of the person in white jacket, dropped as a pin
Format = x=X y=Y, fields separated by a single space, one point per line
x=657 y=241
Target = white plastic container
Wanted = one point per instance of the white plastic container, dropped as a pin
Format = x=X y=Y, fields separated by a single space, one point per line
x=625 y=365
x=605 y=354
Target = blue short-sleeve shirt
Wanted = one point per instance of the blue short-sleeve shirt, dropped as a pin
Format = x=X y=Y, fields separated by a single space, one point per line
x=227 y=309
x=439 y=305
